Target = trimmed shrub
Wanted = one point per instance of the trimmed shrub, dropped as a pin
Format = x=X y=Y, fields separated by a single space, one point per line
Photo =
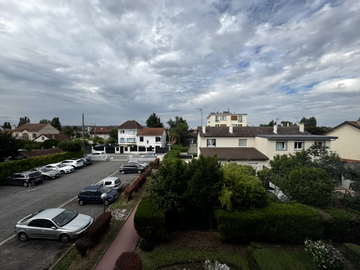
x=128 y=260
x=129 y=191
x=290 y=223
x=146 y=245
x=149 y=221
x=98 y=228
x=81 y=248
x=342 y=227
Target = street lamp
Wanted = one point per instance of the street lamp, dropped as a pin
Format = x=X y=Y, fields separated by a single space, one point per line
x=200 y=109
x=104 y=197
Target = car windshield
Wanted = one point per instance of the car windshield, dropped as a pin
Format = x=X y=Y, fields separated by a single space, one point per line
x=45 y=169
x=105 y=190
x=61 y=165
x=64 y=217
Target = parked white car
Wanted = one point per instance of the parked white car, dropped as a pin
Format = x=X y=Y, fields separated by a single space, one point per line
x=62 y=168
x=110 y=182
x=149 y=155
x=76 y=163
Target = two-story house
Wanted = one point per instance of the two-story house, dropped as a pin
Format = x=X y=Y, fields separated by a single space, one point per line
x=226 y=119
x=102 y=132
x=348 y=144
x=152 y=137
x=256 y=146
x=127 y=133
x=32 y=131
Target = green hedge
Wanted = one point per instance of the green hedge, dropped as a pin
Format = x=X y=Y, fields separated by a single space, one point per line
x=149 y=221
x=290 y=223
x=342 y=227
x=172 y=154
x=8 y=168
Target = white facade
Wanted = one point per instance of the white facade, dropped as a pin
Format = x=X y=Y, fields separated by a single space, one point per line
x=226 y=119
x=152 y=140
x=127 y=136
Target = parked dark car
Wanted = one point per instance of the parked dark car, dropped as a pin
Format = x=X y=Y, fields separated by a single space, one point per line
x=92 y=194
x=23 y=178
x=47 y=173
x=131 y=167
x=87 y=161
x=53 y=223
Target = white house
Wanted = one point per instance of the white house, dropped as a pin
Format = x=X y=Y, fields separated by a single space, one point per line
x=226 y=119
x=256 y=146
x=32 y=131
x=348 y=144
x=102 y=132
x=151 y=137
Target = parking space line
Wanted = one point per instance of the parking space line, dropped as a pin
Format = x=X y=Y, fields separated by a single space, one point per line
x=61 y=206
x=6 y=240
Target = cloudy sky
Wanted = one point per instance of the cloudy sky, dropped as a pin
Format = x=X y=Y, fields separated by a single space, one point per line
x=114 y=60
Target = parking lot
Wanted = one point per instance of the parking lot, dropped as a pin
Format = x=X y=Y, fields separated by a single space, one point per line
x=16 y=202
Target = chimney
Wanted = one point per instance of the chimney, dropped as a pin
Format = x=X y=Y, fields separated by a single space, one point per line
x=301 y=127
x=231 y=129
x=358 y=121
x=288 y=124
x=275 y=129
x=203 y=128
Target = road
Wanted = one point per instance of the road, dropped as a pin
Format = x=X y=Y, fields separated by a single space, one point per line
x=16 y=202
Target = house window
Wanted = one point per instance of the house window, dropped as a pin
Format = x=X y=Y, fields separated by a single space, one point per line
x=158 y=139
x=211 y=142
x=122 y=139
x=34 y=135
x=141 y=139
x=122 y=131
x=42 y=137
x=16 y=135
x=320 y=144
x=130 y=140
x=217 y=118
x=298 y=146
x=25 y=136
x=222 y=118
x=216 y=125
x=131 y=131
x=239 y=118
x=234 y=125
x=280 y=146
x=233 y=118
x=242 y=142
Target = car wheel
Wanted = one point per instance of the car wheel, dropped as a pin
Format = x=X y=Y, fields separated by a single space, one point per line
x=106 y=202
x=64 y=238
x=23 y=237
x=62 y=172
x=80 y=202
x=46 y=177
x=122 y=172
x=5 y=183
x=25 y=184
x=139 y=171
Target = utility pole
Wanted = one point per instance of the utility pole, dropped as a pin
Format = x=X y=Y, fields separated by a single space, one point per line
x=200 y=109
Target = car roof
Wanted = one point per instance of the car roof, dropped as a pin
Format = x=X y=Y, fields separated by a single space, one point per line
x=49 y=213
x=92 y=188
x=110 y=179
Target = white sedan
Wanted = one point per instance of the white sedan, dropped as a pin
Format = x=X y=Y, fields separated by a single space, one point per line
x=60 y=168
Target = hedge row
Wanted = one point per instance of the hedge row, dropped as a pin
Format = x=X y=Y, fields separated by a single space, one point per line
x=137 y=184
x=9 y=168
x=94 y=233
x=290 y=223
x=149 y=221
x=155 y=164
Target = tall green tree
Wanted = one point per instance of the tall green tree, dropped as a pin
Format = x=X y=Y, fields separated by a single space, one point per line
x=44 y=121
x=180 y=132
x=271 y=123
x=55 y=122
x=173 y=123
x=23 y=121
x=6 y=125
x=68 y=131
x=308 y=122
x=154 y=121
x=9 y=146
x=114 y=134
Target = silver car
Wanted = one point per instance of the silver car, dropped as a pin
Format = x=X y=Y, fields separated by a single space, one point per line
x=47 y=173
x=76 y=163
x=62 y=168
x=110 y=182
x=53 y=223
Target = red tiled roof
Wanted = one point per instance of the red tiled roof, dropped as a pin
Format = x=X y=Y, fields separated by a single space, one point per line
x=58 y=137
x=30 y=127
x=130 y=124
x=100 y=130
x=43 y=152
x=151 y=132
x=233 y=153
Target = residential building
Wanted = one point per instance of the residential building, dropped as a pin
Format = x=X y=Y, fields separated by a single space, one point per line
x=256 y=146
x=102 y=132
x=347 y=146
x=127 y=133
x=151 y=137
x=32 y=131
x=58 y=137
x=226 y=119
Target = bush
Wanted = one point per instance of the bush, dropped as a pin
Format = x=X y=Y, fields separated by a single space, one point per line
x=128 y=260
x=290 y=223
x=129 y=191
x=309 y=186
x=172 y=154
x=98 y=228
x=149 y=221
x=81 y=248
x=146 y=245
